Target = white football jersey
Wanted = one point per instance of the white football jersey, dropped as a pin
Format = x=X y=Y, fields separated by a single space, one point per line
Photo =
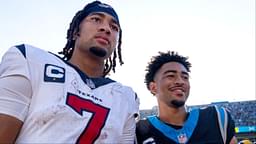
x=66 y=105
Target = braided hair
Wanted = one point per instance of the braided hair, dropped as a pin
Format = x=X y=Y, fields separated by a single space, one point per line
x=67 y=51
x=157 y=62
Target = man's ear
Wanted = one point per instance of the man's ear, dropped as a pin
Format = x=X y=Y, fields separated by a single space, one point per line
x=76 y=34
x=153 y=88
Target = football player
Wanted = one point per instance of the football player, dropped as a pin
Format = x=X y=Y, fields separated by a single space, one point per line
x=48 y=99
x=167 y=78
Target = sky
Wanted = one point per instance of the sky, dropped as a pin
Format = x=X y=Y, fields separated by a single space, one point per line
x=218 y=37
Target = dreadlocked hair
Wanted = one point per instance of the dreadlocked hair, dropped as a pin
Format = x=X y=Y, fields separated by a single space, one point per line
x=73 y=28
x=158 y=61
x=110 y=63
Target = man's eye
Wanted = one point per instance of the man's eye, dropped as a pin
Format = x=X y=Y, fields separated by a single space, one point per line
x=95 y=19
x=170 y=76
x=185 y=77
x=114 y=27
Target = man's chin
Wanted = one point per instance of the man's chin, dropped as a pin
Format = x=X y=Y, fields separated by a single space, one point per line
x=177 y=103
x=97 y=51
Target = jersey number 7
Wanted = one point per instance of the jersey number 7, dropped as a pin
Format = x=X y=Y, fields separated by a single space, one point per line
x=97 y=121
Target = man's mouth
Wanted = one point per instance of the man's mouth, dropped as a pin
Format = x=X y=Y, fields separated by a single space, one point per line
x=102 y=40
x=181 y=89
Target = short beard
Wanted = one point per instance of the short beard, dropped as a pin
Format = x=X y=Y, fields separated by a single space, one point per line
x=100 y=52
x=176 y=103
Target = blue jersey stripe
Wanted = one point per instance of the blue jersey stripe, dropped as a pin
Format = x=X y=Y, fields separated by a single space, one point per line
x=22 y=49
x=187 y=129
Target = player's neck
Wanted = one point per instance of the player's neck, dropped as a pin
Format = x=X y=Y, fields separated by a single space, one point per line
x=90 y=67
x=174 y=116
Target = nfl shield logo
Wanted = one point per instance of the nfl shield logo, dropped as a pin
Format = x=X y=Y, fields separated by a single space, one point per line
x=182 y=138
x=90 y=83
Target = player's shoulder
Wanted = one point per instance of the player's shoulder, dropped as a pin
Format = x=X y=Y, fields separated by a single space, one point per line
x=213 y=109
x=16 y=56
x=30 y=53
x=145 y=132
x=25 y=50
x=207 y=109
x=127 y=93
x=142 y=124
x=121 y=88
x=206 y=113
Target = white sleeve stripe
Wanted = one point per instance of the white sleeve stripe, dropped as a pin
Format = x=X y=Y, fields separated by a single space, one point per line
x=222 y=120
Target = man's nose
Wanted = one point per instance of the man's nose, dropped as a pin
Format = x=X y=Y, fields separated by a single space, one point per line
x=105 y=27
x=179 y=80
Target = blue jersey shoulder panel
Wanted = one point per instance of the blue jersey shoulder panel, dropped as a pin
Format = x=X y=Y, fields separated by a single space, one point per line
x=22 y=49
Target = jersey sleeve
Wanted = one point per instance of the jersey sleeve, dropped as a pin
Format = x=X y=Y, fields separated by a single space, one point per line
x=226 y=124
x=129 y=130
x=130 y=125
x=230 y=128
x=135 y=107
x=15 y=87
x=142 y=129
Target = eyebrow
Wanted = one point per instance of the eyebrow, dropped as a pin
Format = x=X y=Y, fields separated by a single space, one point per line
x=174 y=71
x=103 y=15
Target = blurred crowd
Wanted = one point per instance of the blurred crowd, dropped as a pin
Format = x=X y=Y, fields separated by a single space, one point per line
x=243 y=112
